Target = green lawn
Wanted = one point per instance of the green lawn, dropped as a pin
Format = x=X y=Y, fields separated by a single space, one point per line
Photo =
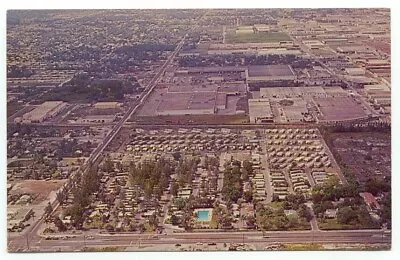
x=257 y=37
x=13 y=107
x=276 y=204
x=332 y=224
x=214 y=220
x=305 y=246
x=101 y=249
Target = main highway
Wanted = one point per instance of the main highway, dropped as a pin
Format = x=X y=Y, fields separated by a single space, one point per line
x=78 y=242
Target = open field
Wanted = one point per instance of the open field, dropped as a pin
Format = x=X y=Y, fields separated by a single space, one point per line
x=13 y=107
x=332 y=224
x=365 y=154
x=257 y=37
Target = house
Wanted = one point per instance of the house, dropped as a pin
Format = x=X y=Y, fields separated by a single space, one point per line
x=331 y=213
x=290 y=213
x=371 y=201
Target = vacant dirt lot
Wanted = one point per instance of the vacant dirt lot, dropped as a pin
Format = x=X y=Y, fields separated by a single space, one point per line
x=39 y=188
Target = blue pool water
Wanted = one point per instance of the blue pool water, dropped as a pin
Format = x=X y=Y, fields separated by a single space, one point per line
x=202 y=215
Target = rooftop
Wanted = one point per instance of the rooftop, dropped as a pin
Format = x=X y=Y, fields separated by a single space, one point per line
x=270 y=70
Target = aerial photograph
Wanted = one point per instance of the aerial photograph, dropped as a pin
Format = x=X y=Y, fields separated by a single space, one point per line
x=198 y=130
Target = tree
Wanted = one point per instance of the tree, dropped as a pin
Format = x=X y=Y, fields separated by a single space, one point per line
x=109 y=227
x=177 y=156
x=174 y=188
x=175 y=220
x=59 y=224
x=346 y=215
x=386 y=210
x=48 y=209
x=295 y=200
x=305 y=212
x=141 y=227
x=108 y=165
x=187 y=220
x=153 y=220
x=248 y=196
x=232 y=187
x=76 y=212
x=250 y=221
x=180 y=203
x=275 y=197
x=61 y=196
x=225 y=221
x=376 y=186
x=248 y=166
x=132 y=226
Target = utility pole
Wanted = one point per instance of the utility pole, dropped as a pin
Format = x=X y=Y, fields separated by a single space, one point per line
x=27 y=241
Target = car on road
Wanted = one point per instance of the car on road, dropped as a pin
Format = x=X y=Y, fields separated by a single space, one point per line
x=89 y=237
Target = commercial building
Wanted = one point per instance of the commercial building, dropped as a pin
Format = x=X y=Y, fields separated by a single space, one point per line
x=96 y=119
x=312 y=44
x=355 y=71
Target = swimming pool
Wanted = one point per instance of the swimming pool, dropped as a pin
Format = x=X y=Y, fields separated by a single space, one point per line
x=204 y=214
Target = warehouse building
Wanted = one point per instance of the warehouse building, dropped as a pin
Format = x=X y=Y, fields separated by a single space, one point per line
x=196 y=103
x=355 y=71
x=107 y=105
x=292 y=92
x=44 y=112
x=338 y=109
x=262 y=73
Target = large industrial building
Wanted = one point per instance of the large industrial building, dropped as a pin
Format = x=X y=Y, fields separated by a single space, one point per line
x=263 y=73
x=339 y=109
x=311 y=91
x=43 y=112
x=195 y=103
x=107 y=105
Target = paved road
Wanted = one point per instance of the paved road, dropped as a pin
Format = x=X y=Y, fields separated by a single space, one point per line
x=309 y=177
x=333 y=161
x=335 y=237
x=267 y=178
x=313 y=222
